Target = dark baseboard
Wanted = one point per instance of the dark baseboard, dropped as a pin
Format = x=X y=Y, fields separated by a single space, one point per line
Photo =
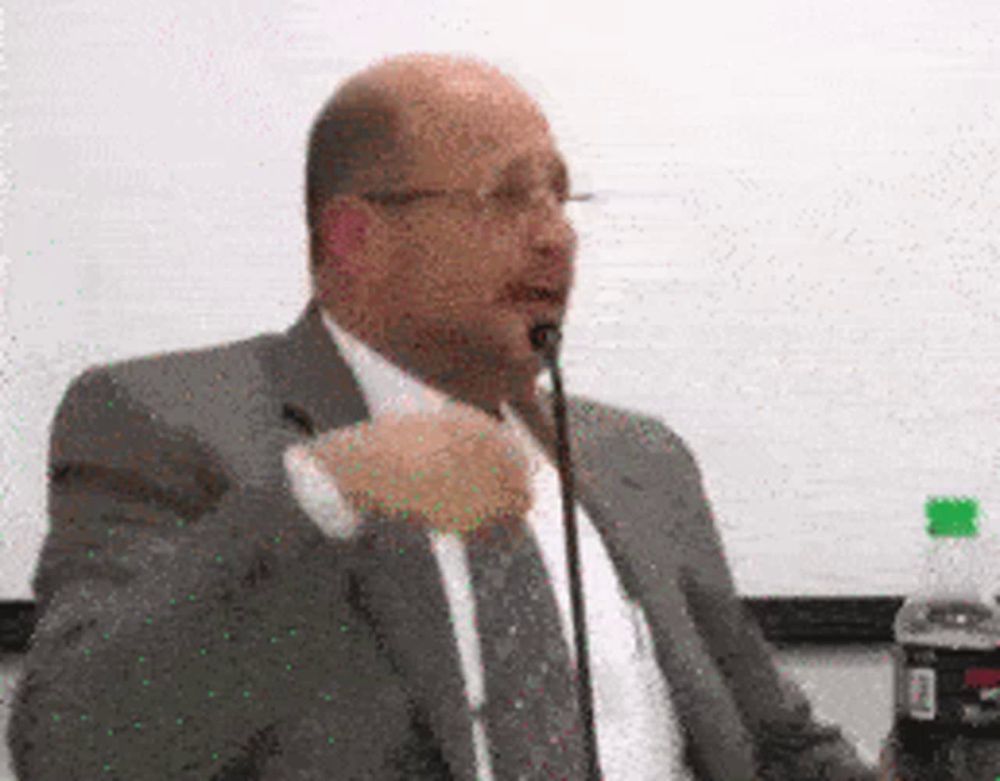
x=784 y=620
x=825 y=620
x=17 y=619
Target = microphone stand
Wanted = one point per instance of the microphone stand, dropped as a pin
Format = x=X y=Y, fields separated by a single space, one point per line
x=545 y=339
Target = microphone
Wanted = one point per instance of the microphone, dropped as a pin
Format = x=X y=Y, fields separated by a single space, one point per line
x=545 y=339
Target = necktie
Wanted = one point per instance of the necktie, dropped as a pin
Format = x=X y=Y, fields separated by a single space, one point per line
x=531 y=715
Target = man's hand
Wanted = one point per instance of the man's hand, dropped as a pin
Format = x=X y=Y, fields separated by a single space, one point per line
x=453 y=471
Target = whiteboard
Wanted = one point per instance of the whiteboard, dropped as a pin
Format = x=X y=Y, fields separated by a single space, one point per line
x=792 y=255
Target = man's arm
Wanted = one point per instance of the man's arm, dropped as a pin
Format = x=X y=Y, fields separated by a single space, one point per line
x=175 y=610
x=790 y=744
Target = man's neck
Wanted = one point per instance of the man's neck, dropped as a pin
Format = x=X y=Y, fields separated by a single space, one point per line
x=465 y=384
x=463 y=380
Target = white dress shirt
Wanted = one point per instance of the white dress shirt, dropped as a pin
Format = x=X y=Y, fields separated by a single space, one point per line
x=637 y=733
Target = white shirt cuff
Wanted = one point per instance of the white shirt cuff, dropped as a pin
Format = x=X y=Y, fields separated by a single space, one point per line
x=318 y=495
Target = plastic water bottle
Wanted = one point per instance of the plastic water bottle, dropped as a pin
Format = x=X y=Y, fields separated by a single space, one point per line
x=947 y=655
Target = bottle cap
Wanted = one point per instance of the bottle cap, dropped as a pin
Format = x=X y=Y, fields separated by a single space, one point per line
x=951 y=516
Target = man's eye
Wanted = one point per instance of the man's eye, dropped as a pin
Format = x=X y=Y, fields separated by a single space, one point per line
x=511 y=195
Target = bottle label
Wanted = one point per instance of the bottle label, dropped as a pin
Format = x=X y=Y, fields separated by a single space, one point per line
x=950 y=690
x=922 y=693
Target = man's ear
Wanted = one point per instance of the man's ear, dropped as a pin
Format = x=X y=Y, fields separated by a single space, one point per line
x=353 y=257
x=345 y=227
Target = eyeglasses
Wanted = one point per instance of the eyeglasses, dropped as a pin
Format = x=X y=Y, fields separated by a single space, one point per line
x=507 y=199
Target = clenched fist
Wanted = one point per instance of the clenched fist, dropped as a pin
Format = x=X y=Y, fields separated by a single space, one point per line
x=453 y=471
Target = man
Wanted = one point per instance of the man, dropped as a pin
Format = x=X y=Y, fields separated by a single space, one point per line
x=280 y=558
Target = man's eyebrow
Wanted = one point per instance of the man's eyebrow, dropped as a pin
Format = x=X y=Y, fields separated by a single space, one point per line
x=555 y=166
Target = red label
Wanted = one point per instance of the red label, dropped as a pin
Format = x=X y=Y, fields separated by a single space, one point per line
x=982 y=678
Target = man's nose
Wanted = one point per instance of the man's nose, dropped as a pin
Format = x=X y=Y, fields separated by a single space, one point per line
x=551 y=233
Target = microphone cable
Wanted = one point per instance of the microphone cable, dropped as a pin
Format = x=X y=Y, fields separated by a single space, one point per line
x=545 y=339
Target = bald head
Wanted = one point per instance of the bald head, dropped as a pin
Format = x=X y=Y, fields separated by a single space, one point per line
x=401 y=114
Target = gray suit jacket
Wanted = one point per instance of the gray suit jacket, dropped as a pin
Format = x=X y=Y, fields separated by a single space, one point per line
x=194 y=624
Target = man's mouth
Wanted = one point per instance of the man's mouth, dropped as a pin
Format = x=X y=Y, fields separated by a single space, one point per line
x=536 y=294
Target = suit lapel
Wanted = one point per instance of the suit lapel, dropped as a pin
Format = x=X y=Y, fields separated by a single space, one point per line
x=628 y=513
x=313 y=384
x=401 y=589
x=399 y=584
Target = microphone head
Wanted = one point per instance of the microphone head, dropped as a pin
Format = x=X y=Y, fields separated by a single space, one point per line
x=545 y=339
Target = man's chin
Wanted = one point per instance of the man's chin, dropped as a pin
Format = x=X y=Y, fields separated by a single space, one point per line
x=503 y=352
x=520 y=355
x=515 y=373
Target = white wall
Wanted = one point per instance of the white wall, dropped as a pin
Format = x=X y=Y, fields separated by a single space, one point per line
x=792 y=258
